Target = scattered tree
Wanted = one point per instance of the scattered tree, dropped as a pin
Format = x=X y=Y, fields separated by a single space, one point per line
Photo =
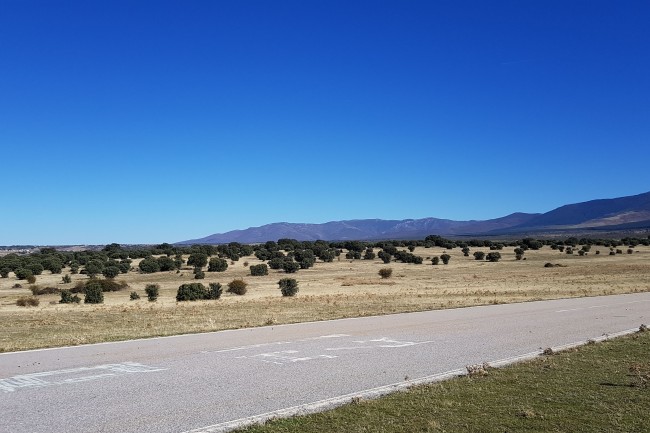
x=288 y=286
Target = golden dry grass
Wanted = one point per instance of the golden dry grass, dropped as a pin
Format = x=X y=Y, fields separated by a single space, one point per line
x=329 y=290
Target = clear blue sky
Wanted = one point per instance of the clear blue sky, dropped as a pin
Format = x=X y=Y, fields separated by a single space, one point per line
x=159 y=121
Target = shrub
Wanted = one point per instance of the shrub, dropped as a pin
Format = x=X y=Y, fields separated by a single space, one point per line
x=384 y=256
x=214 y=291
x=306 y=263
x=259 y=270
x=37 y=290
x=385 y=272
x=494 y=256
x=445 y=258
x=290 y=266
x=111 y=272
x=479 y=255
x=152 y=291
x=22 y=273
x=197 y=260
x=630 y=251
x=134 y=296
x=238 y=286
x=288 y=286
x=4 y=272
x=191 y=292
x=27 y=301
x=66 y=279
x=465 y=251
x=217 y=265
x=31 y=279
x=93 y=292
x=435 y=260
x=369 y=255
x=149 y=265
x=276 y=263
x=198 y=274
x=68 y=298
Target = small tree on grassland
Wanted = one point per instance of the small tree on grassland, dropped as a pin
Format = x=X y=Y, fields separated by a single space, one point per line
x=288 y=286
x=217 y=265
x=93 y=293
x=238 y=287
x=445 y=258
x=385 y=272
x=259 y=270
x=152 y=291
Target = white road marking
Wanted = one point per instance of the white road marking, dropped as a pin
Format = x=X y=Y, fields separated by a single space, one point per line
x=73 y=375
x=277 y=343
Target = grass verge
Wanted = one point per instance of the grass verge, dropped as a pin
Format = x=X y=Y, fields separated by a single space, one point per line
x=595 y=388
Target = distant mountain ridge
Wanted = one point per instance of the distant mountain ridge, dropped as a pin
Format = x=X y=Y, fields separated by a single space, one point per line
x=631 y=212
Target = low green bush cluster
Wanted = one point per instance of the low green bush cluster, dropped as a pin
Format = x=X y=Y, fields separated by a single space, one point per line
x=259 y=270
x=68 y=298
x=288 y=286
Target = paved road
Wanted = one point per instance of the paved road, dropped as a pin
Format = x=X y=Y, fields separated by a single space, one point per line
x=204 y=382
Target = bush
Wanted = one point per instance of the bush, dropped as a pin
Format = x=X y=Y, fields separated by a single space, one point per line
x=630 y=251
x=152 y=291
x=385 y=272
x=290 y=266
x=27 y=301
x=259 y=270
x=134 y=296
x=276 y=263
x=149 y=265
x=445 y=258
x=68 y=298
x=111 y=272
x=191 y=292
x=435 y=260
x=217 y=265
x=4 y=272
x=465 y=251
x=37 y=290
x=198 y=274
x=31 y=279
x=93 y=292
x=66 y=279
x=215 y=290
x=106 y=285
x=493 y=256
x=479 y=255
x=22 y=273
x=238 y=286
x=197 y=260
x=288 y=286
x=384 y=256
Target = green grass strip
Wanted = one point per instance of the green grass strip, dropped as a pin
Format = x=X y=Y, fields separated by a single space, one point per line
x=599 y=387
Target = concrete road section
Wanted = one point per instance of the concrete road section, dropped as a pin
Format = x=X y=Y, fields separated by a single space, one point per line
x=217 y=381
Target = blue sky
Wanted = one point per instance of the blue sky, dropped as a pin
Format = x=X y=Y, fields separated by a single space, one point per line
x=147 y=122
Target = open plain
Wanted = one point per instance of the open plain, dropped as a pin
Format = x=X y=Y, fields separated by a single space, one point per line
x=340 y=289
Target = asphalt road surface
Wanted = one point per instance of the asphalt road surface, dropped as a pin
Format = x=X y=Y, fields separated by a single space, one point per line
x=217 y=381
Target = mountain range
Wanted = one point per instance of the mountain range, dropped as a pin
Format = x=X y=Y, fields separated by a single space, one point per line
x=604 y=215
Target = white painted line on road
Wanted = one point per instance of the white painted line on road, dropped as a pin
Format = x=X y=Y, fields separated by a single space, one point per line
x=331 y=403
x=73 y=375
x=277 y=343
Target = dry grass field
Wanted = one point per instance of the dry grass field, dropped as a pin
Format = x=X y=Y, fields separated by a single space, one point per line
x=339 y=289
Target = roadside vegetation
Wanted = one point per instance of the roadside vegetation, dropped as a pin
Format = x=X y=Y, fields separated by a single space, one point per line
x=601 y=387
x=235 y=285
